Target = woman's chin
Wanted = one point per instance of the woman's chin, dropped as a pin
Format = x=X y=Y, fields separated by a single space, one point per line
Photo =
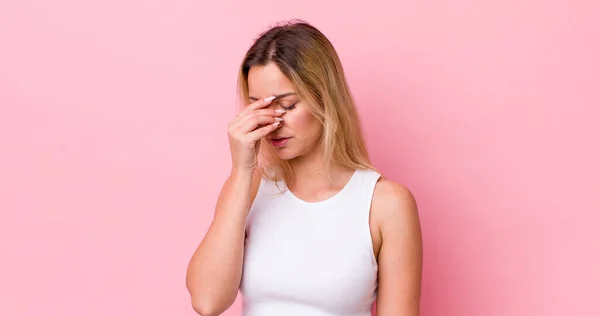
x=284 y=154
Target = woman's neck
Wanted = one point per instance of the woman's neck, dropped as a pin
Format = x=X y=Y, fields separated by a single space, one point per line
x=311 y=172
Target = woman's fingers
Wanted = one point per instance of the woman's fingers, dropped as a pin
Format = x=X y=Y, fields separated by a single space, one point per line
x=253 y=121
x=260 y=103
x=271 y=112
x=263 y=131
x=244 y=116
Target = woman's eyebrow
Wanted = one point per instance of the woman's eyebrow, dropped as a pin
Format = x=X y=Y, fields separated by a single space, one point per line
x=279 y=96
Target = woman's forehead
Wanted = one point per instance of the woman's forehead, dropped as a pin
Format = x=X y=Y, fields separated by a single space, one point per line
x=268 y=80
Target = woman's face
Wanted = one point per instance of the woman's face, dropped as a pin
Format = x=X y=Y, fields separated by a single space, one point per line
x=300 y=130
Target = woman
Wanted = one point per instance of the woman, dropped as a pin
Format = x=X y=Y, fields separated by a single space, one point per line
x=311 y=228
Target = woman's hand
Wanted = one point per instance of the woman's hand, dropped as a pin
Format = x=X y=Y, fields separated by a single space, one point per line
x=246 y=131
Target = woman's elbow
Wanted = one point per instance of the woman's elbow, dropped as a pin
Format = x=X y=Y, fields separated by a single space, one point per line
x=211 y=306
x=204 y=308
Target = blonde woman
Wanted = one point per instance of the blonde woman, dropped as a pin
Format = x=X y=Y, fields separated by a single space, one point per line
x=308 y=227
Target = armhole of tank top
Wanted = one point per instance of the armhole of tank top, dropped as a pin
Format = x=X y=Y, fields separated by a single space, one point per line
x=371 y=182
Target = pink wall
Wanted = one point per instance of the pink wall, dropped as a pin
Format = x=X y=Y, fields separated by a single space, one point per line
x=112 y=131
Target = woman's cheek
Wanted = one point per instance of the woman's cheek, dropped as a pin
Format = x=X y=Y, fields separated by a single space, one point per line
x=302 y=120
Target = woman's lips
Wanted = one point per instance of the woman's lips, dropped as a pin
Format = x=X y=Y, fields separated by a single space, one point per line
x=279 y=142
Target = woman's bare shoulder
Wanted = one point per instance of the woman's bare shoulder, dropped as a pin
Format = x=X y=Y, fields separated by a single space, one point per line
x=393 y=205
x=400 y=256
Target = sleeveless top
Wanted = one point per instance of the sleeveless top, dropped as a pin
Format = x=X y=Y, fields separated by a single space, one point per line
x=310 y=258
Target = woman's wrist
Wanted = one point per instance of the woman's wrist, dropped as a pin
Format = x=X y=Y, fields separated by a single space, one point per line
x=241 y=174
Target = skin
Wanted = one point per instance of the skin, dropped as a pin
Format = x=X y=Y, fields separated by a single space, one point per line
x=214 y=272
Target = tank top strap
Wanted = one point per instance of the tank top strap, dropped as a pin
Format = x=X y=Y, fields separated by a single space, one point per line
x=363 y=184
x=360 y=192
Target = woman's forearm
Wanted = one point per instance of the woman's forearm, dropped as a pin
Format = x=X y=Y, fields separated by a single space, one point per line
x=214 y=272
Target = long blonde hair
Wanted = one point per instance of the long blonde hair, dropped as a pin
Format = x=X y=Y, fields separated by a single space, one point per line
x=309 y=60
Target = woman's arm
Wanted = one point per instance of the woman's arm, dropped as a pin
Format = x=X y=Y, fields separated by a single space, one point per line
x=400 y=257
x=215 y=269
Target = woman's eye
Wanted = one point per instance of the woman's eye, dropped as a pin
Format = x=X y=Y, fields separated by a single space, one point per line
x=287 y=108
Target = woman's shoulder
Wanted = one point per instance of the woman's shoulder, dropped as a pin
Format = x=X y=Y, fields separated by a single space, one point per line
x=391 y=191
x=393 y=205
x=400 y=245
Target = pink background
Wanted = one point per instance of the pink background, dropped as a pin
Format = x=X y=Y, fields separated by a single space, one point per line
x=113 y=144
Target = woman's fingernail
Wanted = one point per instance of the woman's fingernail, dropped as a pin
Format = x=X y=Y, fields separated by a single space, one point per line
x=269 y=99
x=278 y=119
x=276 y=124
x=280 y=111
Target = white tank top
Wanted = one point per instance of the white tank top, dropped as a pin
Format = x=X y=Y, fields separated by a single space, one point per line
x=310 y=258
